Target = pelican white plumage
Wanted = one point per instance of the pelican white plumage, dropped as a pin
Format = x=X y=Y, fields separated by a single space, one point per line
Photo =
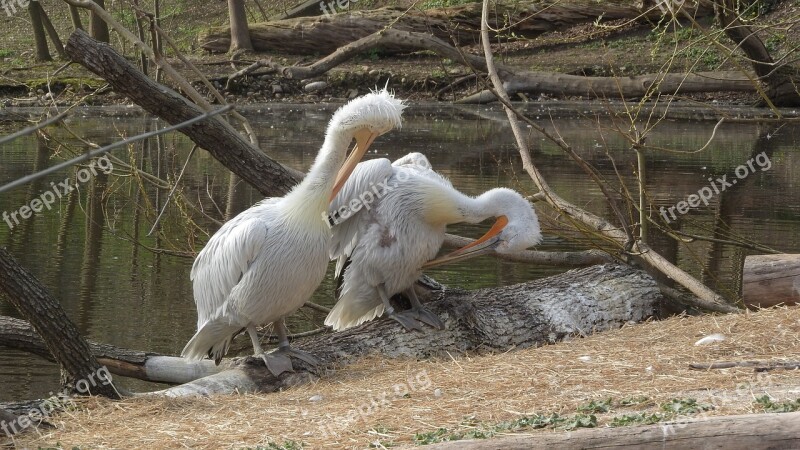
x=390 y=221
x=266 y=262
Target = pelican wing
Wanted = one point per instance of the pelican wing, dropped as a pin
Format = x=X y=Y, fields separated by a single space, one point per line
x=225 y=259
x=361 y=193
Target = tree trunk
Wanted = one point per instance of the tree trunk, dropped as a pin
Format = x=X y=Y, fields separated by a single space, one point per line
x=779 y=79
x=524 y=315
x=744 y=432
x=240 y=35
x=34 y=302
x=98 y=28
x=42 y=52
x=460 y=24
x=214 y=134
x=51 y=32
x=75 y=15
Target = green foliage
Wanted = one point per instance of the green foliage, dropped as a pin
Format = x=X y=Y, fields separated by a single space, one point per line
x=4 y=53
x=446 y=3
x=287 y=445
x=595 y=406
x=637 y=419
x=485 y=431
x=774 y=41
x=633 y=401
x=684 y=406
x=770 y=406
x=581 y=421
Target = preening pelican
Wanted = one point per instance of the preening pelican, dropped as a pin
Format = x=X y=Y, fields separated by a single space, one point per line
x=266 y=262
x=389 y=220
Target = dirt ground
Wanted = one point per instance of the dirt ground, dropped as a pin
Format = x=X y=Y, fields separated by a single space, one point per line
x=639 y=374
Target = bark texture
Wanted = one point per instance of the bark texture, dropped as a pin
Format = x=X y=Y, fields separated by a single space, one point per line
x=45 y=314
x=541 y=312
x=240 y=36
x=214 y=134
x=460 y=24
x=743 y=432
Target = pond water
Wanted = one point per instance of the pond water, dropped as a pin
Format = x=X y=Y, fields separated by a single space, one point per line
x=139 y=295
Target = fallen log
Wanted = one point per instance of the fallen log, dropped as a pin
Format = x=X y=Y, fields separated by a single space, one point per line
x=577 y=302
x=521 y=81
x=743 y=432
x=459 y=24
x=628 y=88
x=18 y=334
x=770 y=280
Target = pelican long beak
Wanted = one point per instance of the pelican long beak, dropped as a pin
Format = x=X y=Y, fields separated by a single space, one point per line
x=482 y=246
x=364 y=138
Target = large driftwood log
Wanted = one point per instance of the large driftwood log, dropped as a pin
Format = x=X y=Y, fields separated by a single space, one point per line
x=220 y=139
x=461 y=24
x=744 y=432
x=18 y=334
x=515 y=80
x=769 y=280
x=580 y=302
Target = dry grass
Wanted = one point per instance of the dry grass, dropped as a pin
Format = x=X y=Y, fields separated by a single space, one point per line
x=649 y=360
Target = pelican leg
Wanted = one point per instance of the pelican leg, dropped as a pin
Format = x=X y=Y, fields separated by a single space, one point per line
x=422 y=314
x=280 y=361
x=254 y=339
x=403 y=318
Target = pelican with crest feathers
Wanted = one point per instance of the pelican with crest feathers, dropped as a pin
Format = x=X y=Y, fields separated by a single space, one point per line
x=265 y=263
x=389 y=222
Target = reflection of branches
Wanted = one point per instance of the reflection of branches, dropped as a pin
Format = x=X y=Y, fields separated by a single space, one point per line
x=596 y=223
x=95 y=153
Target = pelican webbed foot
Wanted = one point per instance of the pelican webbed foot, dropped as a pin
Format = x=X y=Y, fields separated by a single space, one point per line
x=277 y=362
x=280 y=360
x=420 y=313
x=405 y=318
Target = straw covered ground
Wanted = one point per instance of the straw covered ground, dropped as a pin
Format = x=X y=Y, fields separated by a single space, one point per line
x=634 y=375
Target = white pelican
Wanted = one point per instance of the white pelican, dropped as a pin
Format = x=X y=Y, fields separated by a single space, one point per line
x=390 y=218
x=266 y=262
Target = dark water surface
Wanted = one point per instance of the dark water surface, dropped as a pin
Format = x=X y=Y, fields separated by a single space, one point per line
x=125 y=294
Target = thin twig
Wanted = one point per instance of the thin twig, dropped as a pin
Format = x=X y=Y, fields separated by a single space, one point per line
x=172 y=191
x=92 y=154
x=33 y=129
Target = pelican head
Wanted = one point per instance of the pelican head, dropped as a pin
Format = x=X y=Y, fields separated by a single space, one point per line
x=516 y=229
x=364 y=118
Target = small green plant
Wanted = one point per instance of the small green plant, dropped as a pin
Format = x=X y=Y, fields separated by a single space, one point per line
x=581 y=421
x=684 y=406
x=636 y=419
x=446 y=3
x=774 y=41
x=4 y=53
x=287 y=445
x=602 y=406
x=633 y=401
x=778 y=407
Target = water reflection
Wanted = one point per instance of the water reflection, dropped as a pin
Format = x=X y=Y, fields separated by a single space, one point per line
x=139 y=295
